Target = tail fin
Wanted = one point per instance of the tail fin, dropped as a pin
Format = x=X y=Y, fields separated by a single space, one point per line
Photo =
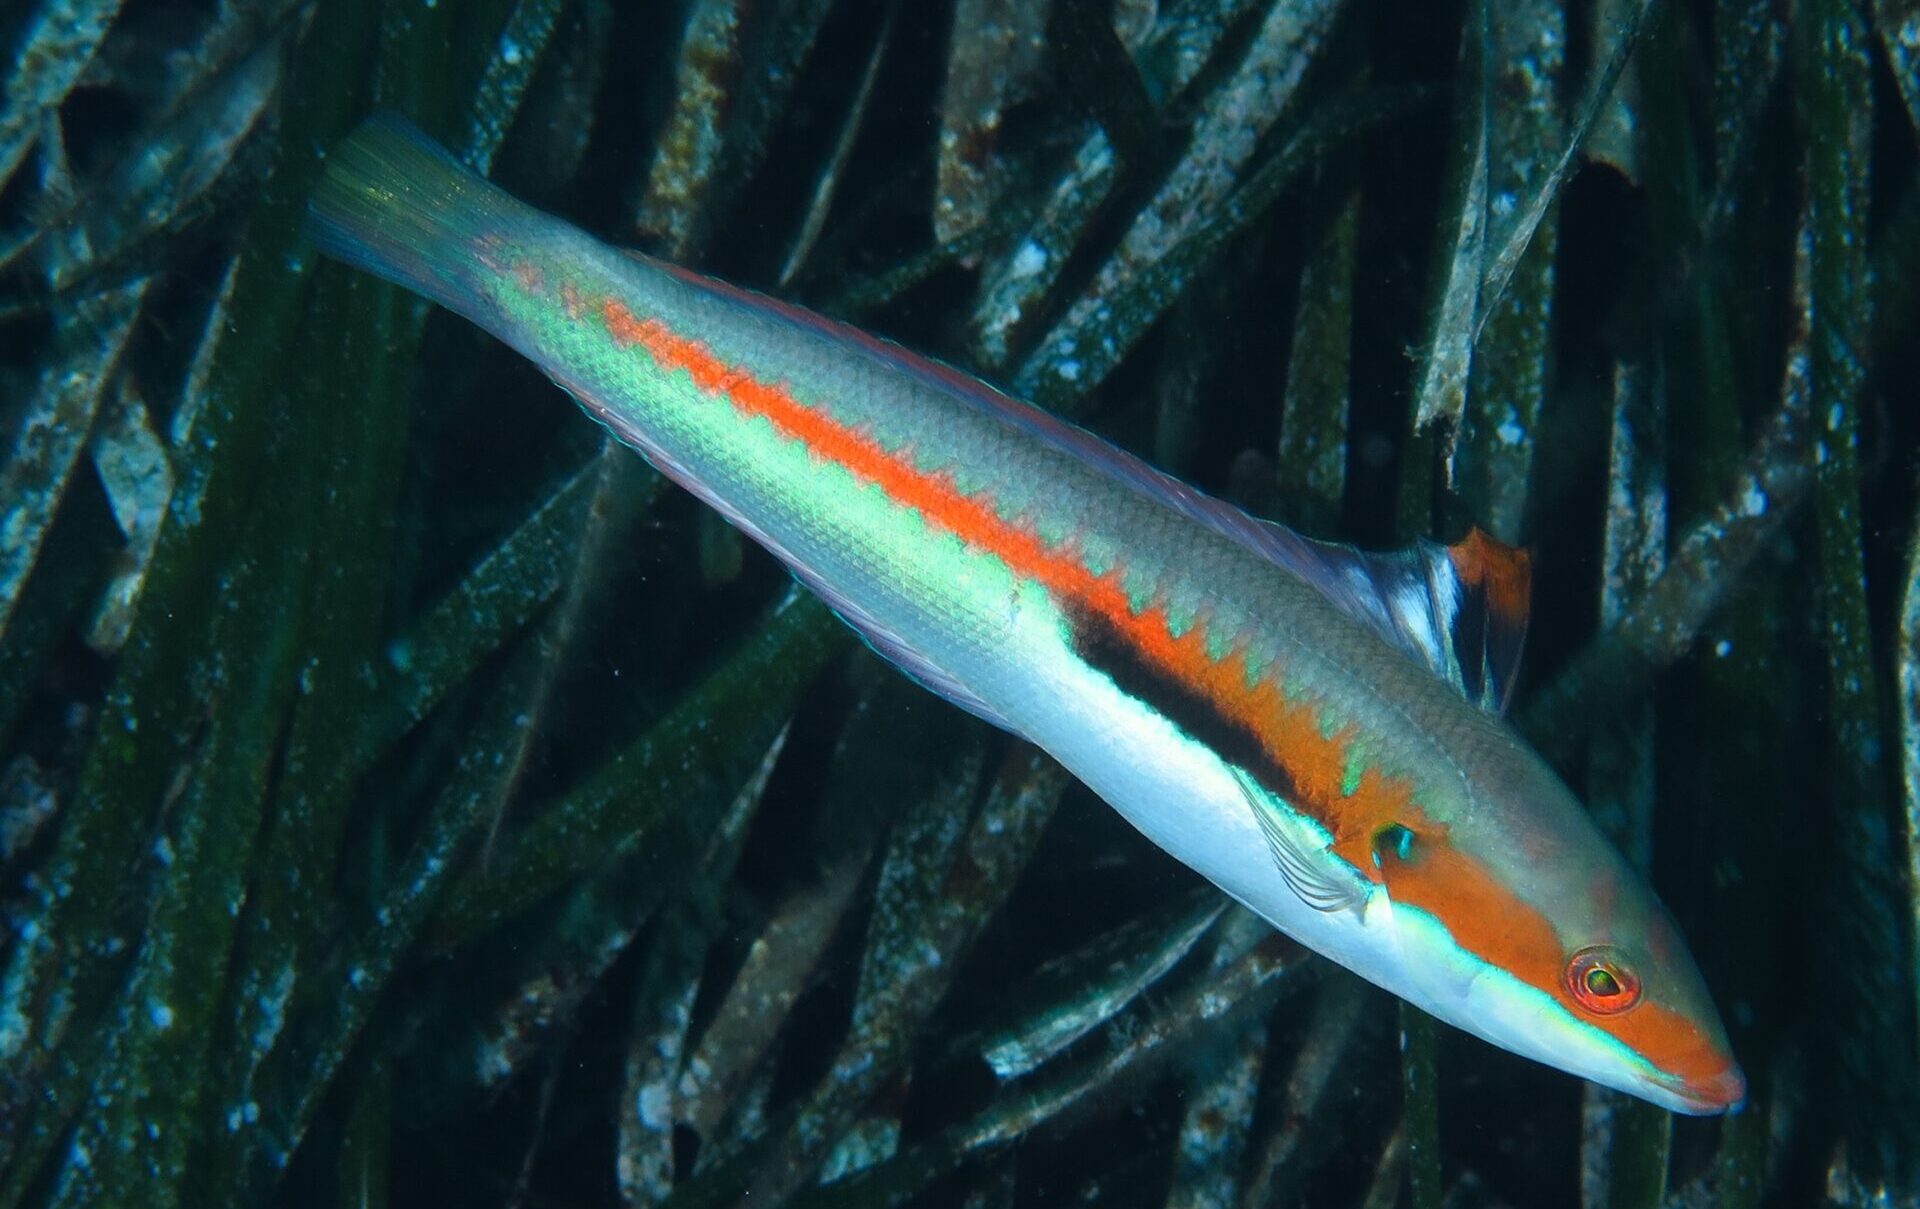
x=397 y=204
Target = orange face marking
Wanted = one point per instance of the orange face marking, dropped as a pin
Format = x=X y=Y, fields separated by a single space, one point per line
x=1481 y=914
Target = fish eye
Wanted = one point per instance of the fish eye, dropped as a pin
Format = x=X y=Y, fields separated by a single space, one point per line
x=1600 y=982
x=1394 y=840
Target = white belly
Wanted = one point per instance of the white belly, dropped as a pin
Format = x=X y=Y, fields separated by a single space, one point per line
x=1183 y=797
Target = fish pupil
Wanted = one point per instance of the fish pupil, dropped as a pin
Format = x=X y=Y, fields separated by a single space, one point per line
x=1600 y=983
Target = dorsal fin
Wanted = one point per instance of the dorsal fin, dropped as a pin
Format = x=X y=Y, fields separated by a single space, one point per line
x=1460 y=609
x=1496 y=599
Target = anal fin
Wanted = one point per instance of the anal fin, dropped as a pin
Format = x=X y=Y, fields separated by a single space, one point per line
x=884 y=641
x=902 y=655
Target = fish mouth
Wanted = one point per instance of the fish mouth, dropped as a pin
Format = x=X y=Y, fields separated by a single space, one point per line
x=1723 y=1091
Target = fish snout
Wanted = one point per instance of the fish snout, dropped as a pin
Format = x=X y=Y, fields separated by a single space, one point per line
x=1720 y=1087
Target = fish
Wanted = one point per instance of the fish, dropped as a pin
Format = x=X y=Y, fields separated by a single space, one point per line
x=1313 y=728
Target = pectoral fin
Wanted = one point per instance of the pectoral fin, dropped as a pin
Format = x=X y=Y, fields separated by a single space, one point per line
x=1311 y=871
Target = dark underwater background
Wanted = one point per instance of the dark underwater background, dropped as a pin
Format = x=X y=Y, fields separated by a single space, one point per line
x=406 y=798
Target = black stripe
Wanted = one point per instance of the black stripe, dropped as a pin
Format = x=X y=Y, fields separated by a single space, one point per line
x=1101 y=645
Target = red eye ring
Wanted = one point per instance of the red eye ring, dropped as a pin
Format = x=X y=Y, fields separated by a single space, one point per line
x=1600 y=982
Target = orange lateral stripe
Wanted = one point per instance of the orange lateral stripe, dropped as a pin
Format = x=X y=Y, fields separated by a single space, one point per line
x=1481 y=915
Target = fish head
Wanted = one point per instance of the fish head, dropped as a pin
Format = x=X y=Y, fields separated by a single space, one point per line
x=1518 y=921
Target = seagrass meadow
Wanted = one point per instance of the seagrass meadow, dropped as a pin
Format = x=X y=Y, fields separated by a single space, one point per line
x=407 y=797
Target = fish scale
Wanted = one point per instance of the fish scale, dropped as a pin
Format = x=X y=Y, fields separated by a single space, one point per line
x=1296 y=721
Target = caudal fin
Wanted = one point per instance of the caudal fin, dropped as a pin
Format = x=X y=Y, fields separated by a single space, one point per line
x=397 y=204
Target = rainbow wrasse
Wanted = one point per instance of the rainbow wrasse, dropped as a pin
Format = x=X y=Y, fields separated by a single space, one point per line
x=1312 y=728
